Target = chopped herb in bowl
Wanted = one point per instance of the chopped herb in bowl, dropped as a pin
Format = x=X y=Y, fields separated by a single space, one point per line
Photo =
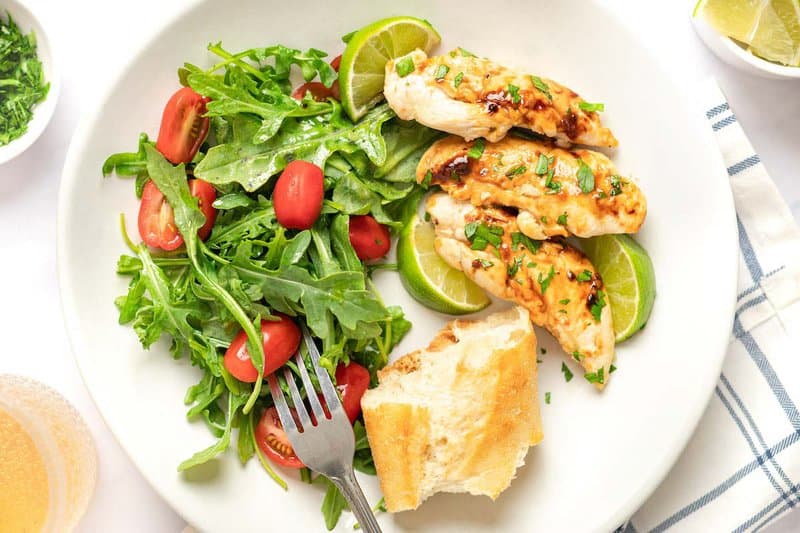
x=22 y=82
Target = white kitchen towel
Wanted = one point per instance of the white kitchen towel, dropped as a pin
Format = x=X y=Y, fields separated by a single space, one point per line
x=741 y=469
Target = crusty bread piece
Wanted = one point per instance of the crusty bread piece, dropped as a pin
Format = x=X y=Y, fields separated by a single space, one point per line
x=458 y=416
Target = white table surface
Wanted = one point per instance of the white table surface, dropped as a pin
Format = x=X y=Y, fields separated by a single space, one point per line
x=92 y=39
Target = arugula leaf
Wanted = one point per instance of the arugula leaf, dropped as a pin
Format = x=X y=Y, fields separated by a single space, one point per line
x=313 y=139
x=333 y=504
x=234 y=403
x=130 y=164
x=403 y=138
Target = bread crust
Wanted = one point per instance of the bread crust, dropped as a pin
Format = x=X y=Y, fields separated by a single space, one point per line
x=494 y=433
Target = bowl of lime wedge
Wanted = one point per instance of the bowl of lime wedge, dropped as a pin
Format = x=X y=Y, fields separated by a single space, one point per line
x=761 y=37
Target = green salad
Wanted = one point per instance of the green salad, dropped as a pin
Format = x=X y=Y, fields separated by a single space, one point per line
x=257 y=210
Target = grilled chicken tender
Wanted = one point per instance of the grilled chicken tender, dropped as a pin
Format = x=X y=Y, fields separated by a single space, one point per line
x=545 y=183
x=473 y=97
x=555 y=282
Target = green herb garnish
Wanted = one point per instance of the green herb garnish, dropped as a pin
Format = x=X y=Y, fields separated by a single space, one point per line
x=481 y=235
x=543 y=164
x=596 y=377
x=547 y=398
x=513 y=268
x=562 y=219
x=518 y=238
x=22 y=82
x=598 y=305
x=544 y=282
x=441 y=72
x=542 y=87
x=513 y=90
x=404 y=66
x=591 y=108
x=585 y=178
x=586 y=275
x=457 y=79
x=566 y=371
x=516 y=171
x=476 y=150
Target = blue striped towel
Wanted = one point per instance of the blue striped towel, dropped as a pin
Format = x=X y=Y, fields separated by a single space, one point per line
x=741 y=469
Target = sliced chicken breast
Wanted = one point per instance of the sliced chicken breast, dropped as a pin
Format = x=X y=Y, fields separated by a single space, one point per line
x=556 y=191
x=474 y=97
x=555 y=282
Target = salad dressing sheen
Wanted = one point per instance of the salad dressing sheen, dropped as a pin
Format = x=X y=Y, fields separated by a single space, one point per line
x=24 y=485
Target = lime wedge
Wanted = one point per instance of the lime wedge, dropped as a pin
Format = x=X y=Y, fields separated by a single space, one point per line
x=777 y=36
x=628 y=277
x=734 y=18
x=430 y=280
x=771 y=28
x=361 y=71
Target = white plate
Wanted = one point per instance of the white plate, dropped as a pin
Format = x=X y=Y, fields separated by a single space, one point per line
x=603 y=454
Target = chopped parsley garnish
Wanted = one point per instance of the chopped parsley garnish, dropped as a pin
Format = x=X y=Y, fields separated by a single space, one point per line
x=547 y=398
x=585 y=178
x=516 y=171
x=476 y=150
x=616 y=185
x=427 y=217
x=531 y=265
x=426 y=181
x=612 y=369
x=543 y=164
x=542 y=86
x=404 y=67
x=596 y=377
x=485 y=263
x=544 y=282
x=441 y=72
x=565 y=301
x=550 y=183
x=598 y=305
x=513 y=268
x=566 y=371
x=481 y=235
x=562 y=311
x=577 y=355
x=601 y=195
x=457 y=79
x=518 y=239
x=542 y=351
x=591 y=108
x=513 y=90
x=22 y=81
x=543 y=219
x=464 y=53
x=562 y=219
x=586 y=275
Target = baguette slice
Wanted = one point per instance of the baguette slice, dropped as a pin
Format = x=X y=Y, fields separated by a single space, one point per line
x=458 y=416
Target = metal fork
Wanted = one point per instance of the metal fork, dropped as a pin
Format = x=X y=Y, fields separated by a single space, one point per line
x=325 y=445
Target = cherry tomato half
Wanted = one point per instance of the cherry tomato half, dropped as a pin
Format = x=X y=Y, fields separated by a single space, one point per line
x=183 y=126
x=298 y=195
x=318 y=91
x=205 y=194
x=272 y=440
x=370 y=239
x=280 y=340
x=336 y=61
x=157 y=221
x=352 y=381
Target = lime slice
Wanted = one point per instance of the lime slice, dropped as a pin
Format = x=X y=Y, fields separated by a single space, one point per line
x=771 y=28
x=629 y=279
x=361 y=71
x=430 y=280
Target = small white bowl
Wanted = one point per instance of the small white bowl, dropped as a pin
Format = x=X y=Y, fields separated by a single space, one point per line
x=736 y=56
x=43 y=112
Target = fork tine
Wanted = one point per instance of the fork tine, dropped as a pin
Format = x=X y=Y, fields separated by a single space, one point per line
x=280 y=404
x=325 y=383
x=299 y=406
x=311 y=392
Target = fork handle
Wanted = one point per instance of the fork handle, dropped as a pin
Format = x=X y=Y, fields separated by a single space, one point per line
x=351 y=490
